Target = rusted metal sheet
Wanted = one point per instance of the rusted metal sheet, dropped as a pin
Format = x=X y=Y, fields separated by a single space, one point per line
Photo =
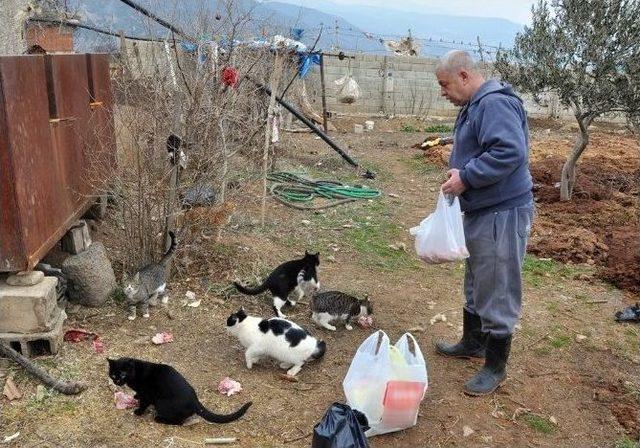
x=47 y=147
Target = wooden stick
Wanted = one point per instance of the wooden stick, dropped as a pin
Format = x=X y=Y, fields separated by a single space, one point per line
x=324 y=95
x=274 y=82
x=72 y=388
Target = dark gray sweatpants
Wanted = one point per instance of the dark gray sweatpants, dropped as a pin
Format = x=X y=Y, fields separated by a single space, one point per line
x=497 y=244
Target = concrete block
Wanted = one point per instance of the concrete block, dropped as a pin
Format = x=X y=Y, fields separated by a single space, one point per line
x=77 y=239
x=25 y=278
x=28 y=309
x=37 y=344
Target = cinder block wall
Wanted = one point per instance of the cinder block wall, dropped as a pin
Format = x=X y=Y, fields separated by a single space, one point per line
x=410 y=88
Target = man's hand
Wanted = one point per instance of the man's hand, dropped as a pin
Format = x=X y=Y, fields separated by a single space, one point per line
x=454 y=185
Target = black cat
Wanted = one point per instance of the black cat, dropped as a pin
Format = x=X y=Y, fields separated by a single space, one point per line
x=164 y=388
x=298 y=275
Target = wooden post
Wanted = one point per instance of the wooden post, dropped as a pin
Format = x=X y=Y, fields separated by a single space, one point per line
x=385 y=68
x=274 y=82
x=324 y=95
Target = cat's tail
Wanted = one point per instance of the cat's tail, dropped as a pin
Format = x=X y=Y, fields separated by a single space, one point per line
x=251 y=291
x=172 y=247
x=217 y=418
x=321 y=348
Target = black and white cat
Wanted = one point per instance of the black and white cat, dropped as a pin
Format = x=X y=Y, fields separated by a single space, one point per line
x=330 y=306
x=299 y=275
x=164 y=388
x=280 y=339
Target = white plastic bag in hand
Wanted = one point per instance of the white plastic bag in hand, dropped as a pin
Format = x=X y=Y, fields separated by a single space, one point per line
x=387 y=383
x=440 y=236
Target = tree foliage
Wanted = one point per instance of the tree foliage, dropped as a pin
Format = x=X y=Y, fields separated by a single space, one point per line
x=588 y=53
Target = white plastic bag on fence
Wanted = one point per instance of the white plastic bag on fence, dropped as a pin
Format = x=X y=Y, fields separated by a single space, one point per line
x=440 y=236
x=387 y=383
x=350 y=90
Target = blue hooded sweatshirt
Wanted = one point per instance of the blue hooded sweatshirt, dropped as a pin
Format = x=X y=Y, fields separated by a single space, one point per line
x=491 y=150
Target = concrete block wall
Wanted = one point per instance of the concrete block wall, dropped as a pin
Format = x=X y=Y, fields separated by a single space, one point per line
x=411 y=88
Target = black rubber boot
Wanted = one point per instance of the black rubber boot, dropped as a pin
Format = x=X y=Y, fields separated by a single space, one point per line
x=494 y=371
x=472 y=344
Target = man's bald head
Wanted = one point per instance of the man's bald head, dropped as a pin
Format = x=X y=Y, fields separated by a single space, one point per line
x=457 y=60
x=458 y=76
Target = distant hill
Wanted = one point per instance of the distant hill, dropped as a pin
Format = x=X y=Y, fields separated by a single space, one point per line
x=345 y=26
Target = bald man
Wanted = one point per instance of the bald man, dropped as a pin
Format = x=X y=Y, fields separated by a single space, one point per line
x=489 y=172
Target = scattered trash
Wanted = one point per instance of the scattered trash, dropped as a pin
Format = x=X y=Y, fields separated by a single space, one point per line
x=341 y=426
x=291 y=379
x=553 y=420
x=8 y=439
x=365 y=321
x=330 y=258
x=229 y=387
x=368 y=125
x=393 y=195
x=10 y=390
x=40 y=392
x=358 y=129
x=98 y=344
x=629 y=314
x=398 y=246
x=230 y=76
x=440 y=317
x=417 y=329
x=124 y=401
x=162 y=338
x=467 y=431
x=305 y=222
x=220 y=441
x=191 y=300
x=580 y=337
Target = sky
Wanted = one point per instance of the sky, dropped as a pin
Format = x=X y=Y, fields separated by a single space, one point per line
x=518 y=11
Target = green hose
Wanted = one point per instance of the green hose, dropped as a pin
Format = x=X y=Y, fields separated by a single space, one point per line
x=293 y=190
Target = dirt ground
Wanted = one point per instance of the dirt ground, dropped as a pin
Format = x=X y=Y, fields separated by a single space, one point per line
x=561 y=390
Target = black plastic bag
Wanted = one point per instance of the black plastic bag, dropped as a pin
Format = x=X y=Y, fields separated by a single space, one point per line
x=341 y=427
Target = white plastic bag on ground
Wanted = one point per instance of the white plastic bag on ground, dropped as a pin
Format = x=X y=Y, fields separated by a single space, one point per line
x=440 y=236
x=350 y=90
x=387 y=383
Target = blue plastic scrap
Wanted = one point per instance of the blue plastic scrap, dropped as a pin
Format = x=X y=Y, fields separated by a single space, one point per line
x=306 y=61
x=296 y=33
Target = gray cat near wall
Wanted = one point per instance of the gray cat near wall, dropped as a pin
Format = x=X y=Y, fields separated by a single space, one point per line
x=148 y=283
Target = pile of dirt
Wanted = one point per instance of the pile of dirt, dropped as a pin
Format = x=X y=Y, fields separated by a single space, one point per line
x=597 y=178
x=566 y=243
x=599 y=225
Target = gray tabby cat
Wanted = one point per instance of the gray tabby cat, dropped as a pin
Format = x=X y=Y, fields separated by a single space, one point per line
x=148 y=283
x=335 y=305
